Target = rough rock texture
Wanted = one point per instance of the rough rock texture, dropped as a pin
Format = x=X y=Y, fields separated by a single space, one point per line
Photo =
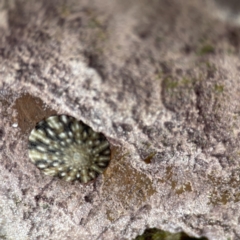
x=160 y=78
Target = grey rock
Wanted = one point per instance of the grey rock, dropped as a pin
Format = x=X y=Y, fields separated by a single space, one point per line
x=160 y=79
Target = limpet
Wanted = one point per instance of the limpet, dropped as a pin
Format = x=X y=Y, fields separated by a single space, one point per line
x=64 y=147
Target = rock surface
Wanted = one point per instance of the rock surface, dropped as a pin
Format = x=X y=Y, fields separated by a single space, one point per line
x=160 y=79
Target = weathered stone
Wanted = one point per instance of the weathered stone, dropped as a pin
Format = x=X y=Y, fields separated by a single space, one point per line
x=160 y=79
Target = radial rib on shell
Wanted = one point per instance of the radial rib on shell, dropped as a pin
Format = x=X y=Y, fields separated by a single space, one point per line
x=65 y=147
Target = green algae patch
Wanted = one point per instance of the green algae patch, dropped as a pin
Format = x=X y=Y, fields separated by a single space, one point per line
x=218 y=88
x=125 y=186
x=206 y=49
x=170 y=83
x=157 y=234
x=211 y=67
x=178 y=92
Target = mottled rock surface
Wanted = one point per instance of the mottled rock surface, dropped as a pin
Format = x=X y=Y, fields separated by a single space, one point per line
x=160 y=79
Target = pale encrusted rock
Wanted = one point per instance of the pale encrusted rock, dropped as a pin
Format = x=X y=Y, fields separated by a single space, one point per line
x=160 y=79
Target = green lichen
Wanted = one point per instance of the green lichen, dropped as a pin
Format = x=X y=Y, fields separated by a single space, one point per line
x=17 y=200
x=211 y=66
x=206 y=49
x=45 y=206
x=177 y=92
x=159 y=75
x=94 y=23
x=170 y=83
x=218 y=88
x=64 y=10
x=186 y=81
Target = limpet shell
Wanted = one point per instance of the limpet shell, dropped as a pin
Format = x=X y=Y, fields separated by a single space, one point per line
x=64 y=147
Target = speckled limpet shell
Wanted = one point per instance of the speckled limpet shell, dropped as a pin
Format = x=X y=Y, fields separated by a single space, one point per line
x=67 y=148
